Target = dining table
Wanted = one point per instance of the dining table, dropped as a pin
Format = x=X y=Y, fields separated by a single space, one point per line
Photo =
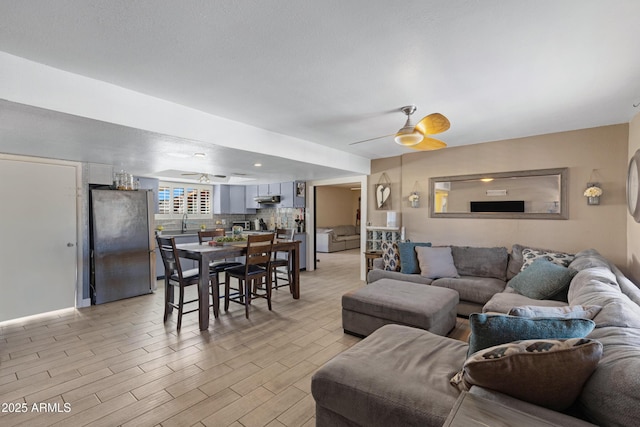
x=205 y=254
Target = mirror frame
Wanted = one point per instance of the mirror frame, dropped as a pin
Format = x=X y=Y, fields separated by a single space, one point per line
x=564 y=203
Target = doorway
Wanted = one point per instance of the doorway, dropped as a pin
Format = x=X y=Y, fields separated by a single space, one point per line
x=337 y=202
x=39 y=256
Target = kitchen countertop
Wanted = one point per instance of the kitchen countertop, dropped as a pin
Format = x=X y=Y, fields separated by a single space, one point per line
x=194 y=232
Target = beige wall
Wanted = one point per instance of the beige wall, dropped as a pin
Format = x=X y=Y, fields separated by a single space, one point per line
x=633 y=228
x=602 y=227
x=335 y=206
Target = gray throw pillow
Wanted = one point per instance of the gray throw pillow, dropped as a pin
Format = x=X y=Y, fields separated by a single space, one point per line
x=542 y=280
x=436 y=262
x=409 y=258
x=488 y=330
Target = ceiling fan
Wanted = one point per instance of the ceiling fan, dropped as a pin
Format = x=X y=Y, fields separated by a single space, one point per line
x=204 y=177
x=416 y=136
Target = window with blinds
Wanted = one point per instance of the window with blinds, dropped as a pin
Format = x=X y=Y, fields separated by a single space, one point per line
x=176 y=199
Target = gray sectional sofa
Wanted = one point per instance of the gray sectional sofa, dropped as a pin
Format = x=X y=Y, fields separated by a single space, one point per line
x=483 y=273
x=400 y=375
x=338 y=238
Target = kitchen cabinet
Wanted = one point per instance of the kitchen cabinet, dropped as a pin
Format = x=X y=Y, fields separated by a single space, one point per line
x=289 y=197
x=230 y=199
x=302 y=237
x=250 y=193
x=269 y=189
x=274 y=189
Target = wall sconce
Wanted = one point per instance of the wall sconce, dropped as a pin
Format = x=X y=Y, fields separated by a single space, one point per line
x=414 y=197
x=593 y=193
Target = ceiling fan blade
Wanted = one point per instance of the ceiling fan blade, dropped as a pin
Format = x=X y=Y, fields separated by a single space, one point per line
x=185 y=174
x=371 y=139
x=433 y=124
x=428 y=143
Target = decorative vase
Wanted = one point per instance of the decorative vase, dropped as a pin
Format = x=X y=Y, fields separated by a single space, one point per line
x=415 y=203
x=593 y=200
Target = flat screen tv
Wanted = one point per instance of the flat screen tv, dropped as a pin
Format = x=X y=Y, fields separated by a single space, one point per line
x=498 y=206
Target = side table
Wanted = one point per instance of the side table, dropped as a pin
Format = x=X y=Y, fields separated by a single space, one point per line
x=370 y=256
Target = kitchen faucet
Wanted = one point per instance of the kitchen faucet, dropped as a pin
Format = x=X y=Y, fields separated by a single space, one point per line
x=184 y=222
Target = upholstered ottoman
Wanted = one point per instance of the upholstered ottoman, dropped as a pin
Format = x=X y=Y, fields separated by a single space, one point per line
x=397 y=376
x=389 y=301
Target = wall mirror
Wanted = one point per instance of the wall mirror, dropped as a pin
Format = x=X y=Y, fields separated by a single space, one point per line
x=532 y=194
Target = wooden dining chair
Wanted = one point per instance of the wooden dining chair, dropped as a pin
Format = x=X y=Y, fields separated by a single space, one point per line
x=281 y=260
x=175 y=277
x=255 y=272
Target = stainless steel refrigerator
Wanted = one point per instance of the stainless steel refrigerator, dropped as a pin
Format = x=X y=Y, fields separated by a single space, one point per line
x=122 y=244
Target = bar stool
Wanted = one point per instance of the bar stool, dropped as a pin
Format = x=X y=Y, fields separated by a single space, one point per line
x=175 y=277
x=255 y=269
x=281 y=259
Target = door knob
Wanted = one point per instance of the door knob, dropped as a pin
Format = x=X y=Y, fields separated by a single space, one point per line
x=70 y=245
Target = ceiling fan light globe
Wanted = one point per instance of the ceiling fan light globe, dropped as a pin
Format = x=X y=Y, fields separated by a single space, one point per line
x=408 y=138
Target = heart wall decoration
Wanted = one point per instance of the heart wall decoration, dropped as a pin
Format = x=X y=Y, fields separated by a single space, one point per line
x=383 y=192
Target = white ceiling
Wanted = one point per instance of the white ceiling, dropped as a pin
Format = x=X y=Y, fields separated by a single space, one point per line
x=328 y=72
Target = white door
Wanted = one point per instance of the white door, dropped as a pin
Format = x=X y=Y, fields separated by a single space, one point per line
x=38 y=233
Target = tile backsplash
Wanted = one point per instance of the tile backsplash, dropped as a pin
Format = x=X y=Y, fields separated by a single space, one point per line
x=273 y=217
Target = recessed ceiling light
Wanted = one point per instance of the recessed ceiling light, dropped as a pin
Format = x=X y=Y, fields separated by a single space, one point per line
x=199 y=154
x=257 y=165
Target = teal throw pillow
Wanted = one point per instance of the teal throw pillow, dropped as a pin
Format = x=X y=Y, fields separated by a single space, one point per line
x=488 y=330
x=408 y=258
x=542 y=280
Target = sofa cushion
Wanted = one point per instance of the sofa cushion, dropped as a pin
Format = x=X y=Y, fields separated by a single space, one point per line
x=397 y=376
x=549 y=373
x=542 y=280
x=390 y=256
x=488 y=330
x=568 y=311
x=377 y=274
x=409 y=258
x=473 y=289
x=436 y=262
x=552 y=417
x=529 y=255
x=505 y=301
x=481 y=262
x=345 y=230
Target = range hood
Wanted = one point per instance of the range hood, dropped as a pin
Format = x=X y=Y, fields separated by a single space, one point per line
x=267 y=200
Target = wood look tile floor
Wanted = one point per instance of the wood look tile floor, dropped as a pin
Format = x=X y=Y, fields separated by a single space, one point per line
x=119 y=364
